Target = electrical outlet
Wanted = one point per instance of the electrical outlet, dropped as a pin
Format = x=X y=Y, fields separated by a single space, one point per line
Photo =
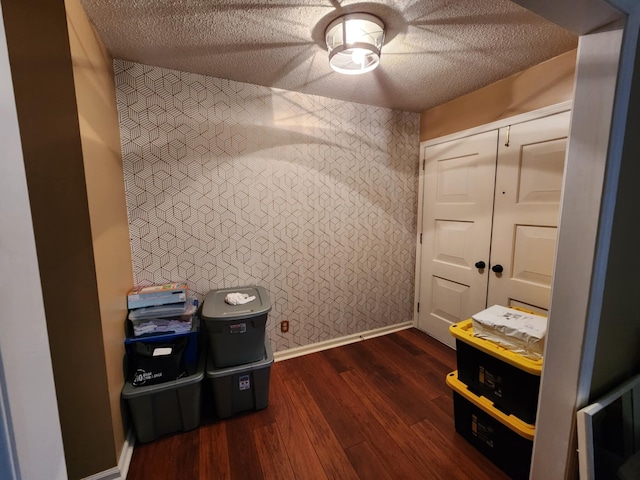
x=284 y=326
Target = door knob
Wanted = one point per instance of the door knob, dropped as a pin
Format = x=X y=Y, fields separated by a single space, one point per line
x=497 y=269
x=480 y=265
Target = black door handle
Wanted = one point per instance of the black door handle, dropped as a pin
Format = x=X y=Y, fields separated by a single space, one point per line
x=480 y=265
x=497 y=268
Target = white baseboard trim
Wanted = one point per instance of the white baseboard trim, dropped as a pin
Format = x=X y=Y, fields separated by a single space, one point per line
x=111 y=474
x=119 y=472
x=126 y=454
x=338 y=342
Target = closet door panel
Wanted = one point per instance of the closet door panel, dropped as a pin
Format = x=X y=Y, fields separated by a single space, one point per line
x=525 y=219
x=533 y=252
x=458 y=200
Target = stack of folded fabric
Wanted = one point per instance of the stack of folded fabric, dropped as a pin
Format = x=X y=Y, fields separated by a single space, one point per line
x=520 y=332
x=172 y=318
x=161 y=309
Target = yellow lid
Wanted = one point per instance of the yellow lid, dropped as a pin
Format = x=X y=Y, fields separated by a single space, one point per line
x=525 y=430
x=464 y=331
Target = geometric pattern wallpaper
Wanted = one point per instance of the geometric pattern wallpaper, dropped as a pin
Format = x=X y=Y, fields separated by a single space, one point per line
x=230 y=184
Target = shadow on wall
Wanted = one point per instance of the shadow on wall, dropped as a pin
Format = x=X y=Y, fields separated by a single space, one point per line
x=230 y=184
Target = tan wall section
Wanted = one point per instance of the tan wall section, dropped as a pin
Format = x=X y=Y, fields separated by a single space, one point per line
x=100 y=134
x=548 y=83
x=38 y=43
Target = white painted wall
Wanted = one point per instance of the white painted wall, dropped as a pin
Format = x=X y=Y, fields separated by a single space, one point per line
x=26 y=376
x=572 y=294
x=615 y=356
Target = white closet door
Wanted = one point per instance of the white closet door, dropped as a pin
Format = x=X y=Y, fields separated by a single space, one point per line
x=458 y=201
x=525 y=217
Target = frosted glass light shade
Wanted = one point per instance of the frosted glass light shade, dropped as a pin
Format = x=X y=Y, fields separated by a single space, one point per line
x=354 y=42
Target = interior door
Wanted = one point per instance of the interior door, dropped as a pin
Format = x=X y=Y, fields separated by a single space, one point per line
x=456 y=225
x=529 y=178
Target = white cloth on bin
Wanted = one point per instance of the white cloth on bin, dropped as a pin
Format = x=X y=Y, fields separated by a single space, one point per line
x=238 y=298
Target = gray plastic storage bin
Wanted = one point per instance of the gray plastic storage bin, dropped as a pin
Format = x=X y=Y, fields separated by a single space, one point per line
x=236 y=332
x=166 y=407
x=241 y=388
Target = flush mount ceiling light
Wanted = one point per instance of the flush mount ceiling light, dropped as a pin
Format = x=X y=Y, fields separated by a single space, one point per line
x=354 y=42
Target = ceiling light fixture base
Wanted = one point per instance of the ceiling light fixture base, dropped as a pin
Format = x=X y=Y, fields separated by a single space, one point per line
x=354 y=42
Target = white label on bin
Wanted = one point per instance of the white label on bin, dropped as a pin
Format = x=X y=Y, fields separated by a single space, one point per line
x=238 y=328
x=161 y=351
x=141 y=377
x=244 y=382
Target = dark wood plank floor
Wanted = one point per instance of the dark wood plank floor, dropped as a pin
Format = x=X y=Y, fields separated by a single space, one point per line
x=377 y=409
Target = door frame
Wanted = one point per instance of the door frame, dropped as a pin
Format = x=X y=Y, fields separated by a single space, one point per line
x=31 y=444
x=521 y=118
x=571 y=359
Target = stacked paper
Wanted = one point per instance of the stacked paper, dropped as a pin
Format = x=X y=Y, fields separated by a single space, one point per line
x=184 y=309
x=155 y=295
x=517 y=331
x=173 y=318
x=161 y=325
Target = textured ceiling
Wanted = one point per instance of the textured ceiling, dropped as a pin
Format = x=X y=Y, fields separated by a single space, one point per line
x=434 y=50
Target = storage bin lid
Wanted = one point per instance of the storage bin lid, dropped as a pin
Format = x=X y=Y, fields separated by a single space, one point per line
x=525 y=430
x=187 y=308
x=464 y=331
x=267 y=360
x=215 y=308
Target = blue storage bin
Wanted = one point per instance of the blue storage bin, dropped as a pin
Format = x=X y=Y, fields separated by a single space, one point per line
x=189 y=356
